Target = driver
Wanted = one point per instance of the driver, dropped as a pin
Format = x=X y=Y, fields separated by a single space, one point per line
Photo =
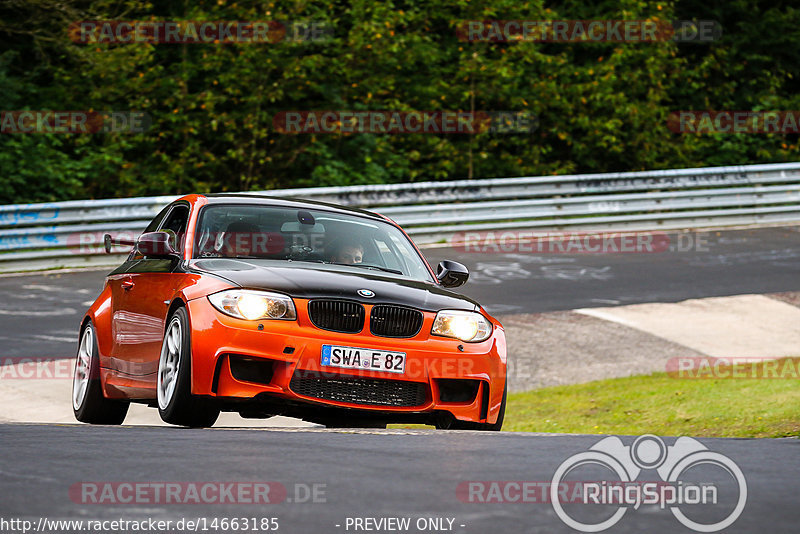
x=240 y=239
x=348 y=252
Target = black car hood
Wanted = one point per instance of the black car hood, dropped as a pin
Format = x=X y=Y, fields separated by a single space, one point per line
x=310 y=280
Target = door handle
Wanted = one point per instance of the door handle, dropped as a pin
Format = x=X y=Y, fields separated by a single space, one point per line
x=127 y=284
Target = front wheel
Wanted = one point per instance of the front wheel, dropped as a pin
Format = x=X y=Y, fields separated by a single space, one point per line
x=176 y=404
x=88 y=402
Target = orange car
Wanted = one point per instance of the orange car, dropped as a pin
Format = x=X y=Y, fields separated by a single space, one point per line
x=268 y=306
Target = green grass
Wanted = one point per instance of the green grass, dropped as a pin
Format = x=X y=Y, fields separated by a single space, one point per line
x=662 y=405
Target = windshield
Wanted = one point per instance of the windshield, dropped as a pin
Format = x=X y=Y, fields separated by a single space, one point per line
x=283 y=234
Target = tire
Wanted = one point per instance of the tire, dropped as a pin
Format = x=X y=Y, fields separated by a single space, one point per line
x=88 y=402
x=176 y=404
x=454 y=424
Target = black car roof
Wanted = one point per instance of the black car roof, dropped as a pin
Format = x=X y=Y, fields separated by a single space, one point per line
x=245 y=198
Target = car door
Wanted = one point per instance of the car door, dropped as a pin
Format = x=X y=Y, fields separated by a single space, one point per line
x=142 y=294
x=119 y=282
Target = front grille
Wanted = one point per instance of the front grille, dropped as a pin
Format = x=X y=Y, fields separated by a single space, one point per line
x=394 y=321
x=359 y=390
x=337 y=315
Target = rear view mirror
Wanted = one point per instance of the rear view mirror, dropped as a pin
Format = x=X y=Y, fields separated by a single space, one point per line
x=451 y=273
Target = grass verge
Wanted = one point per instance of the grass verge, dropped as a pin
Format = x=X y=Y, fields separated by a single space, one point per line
x=664 y=405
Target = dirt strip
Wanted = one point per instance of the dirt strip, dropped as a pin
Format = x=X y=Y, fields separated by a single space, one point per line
x=572 y=347
x=549 y=349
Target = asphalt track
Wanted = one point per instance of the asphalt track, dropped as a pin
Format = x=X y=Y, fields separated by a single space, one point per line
x=696 y=265
x=413 y=474
x=393 y=473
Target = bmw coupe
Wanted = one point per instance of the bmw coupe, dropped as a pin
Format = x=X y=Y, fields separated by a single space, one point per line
x=267 y=306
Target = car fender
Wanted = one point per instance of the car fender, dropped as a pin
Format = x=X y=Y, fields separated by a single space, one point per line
x=100 y=316
x=194 y=287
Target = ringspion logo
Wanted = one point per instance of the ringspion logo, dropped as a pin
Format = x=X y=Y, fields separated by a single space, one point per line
x=672 y=463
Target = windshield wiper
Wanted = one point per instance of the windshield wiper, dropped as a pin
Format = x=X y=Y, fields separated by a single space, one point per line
x=368 y=266
x=362 y=265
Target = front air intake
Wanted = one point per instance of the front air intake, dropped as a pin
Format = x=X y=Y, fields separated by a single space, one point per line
x=354 y=390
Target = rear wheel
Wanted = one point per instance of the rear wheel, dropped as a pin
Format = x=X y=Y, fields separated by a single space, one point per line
x=176 y=404
x=88 y=402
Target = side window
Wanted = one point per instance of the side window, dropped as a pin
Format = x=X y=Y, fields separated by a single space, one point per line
x=153 y=226
x=175 y=224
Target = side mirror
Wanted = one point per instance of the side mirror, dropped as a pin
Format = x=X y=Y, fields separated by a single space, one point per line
x=451 y=273
x=109 y=242
x=156 y=245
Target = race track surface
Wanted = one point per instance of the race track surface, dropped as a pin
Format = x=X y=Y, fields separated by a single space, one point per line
x=702 y=264
x=413 y=473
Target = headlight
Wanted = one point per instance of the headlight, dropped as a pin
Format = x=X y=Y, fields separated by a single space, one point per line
x=463 y=325
x=254 y=305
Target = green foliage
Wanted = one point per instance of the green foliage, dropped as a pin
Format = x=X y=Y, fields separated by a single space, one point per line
x=601 y=106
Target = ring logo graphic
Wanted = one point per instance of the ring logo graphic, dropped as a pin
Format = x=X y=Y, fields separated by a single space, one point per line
x=648 y=452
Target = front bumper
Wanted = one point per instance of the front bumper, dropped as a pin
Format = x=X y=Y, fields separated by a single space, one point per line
x=234 y=361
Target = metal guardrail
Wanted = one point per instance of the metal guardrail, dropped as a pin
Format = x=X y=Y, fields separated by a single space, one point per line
x=69 y=234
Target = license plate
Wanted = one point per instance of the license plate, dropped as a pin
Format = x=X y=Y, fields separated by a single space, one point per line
x=361 y=358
